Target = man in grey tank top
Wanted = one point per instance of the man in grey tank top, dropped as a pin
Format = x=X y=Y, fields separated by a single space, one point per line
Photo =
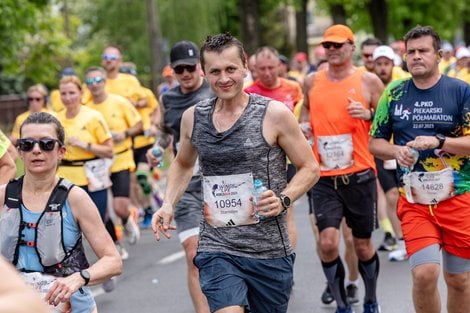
x=244 y=257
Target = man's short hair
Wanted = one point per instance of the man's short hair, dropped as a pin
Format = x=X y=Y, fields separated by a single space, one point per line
x=267 y=50
x=218 y=43
x=96 y=69
x=421 y=31
x=115 y=46
x=371 y=42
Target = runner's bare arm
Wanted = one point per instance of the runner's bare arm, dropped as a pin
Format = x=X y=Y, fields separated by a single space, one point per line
x=454 y=145
x=374 y=87
x=179 y=175
x=290 y=138
x=7 y=168
x=305 y=111
x=109 y=262
x=15 y=295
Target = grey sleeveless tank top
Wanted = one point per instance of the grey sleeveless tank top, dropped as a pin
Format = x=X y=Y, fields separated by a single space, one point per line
x=238 y=150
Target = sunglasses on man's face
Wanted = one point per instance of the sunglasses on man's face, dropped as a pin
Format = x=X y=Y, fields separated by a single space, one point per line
x=336 y=45
x=92 y=80
x=30 y=99
x=367 y=55
x=180 y=68
x=46 y=144
x=112 y=57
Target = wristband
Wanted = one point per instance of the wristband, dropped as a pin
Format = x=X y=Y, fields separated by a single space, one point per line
x=88 y=146
x=372 y=113
x=126 y=133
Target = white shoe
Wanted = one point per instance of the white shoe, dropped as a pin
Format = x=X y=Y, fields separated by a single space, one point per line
x=132 y=231
x=399 y=254
x=122 y=251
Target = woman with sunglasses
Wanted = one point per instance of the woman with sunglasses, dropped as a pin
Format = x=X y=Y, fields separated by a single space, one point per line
x=37 y=102
x=88 y=141
x=42 y=221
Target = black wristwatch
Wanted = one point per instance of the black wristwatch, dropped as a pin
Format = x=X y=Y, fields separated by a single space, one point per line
x=86 y=276
x=285 y=201
x=441 y=139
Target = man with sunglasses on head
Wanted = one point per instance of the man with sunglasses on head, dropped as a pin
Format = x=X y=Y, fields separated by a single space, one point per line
x=184 y=58
x=124 y=122
x=339 y=103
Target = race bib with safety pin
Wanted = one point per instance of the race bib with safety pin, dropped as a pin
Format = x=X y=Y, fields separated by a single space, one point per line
x=42 y=283
x=336 y=152
x=429 y=187
x=98 y=174
x=227 y=200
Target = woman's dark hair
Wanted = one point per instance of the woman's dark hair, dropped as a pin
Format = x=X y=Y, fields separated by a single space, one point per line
x=46 y=118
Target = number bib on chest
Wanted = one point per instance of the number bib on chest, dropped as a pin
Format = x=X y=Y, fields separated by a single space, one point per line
x=336 y=152
x=97 y=172
x=227 y=200
x=429 y=187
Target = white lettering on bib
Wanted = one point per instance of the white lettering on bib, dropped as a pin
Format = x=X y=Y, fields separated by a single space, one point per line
x=429 y=187
x=227 y=200
x=336 y=152
x=42 y=283
x=98 y=174
x=390 y=164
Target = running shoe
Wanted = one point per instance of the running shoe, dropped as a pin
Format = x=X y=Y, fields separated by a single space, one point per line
x=389 y=243
x=122 y=251
x=109 y=285
x=146 y=222
x=398 y=254
x=351 y=294
x=371 y=307
x=132 y=231
x=344 y=310
x=326 y=296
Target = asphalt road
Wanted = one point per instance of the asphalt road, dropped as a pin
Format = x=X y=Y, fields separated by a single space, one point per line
x=154 y=278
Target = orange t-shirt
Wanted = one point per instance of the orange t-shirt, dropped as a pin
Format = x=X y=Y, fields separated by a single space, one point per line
x=288 y=92
x=335 y=130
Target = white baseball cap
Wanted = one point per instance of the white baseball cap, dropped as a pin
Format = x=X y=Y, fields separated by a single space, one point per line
x=383 y=51
x=447 y=47
x=462 y=53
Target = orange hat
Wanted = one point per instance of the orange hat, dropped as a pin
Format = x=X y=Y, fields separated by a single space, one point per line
x=338 y=33
x=167 y=71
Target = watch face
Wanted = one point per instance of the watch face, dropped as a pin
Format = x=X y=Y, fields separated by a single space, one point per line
x=85 y=274
x=285 y=201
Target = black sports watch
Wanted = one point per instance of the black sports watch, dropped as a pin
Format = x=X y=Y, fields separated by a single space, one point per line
x=441 y=139
x=285 y=201
x=86 y=276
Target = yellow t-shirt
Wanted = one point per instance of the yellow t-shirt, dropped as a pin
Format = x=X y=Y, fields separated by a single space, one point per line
x=145 y=112
x=55 y=101
x=127 y=86
x=120 y=115
x=4 y=144
x=444 y=65
x=462 y=74
x=15 y=133
x=89 y=126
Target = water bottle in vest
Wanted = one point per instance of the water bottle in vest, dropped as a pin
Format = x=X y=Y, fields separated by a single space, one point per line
x=157 y=152
x=415 y=154
x=259 y=189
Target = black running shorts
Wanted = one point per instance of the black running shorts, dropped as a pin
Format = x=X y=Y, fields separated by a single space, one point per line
x=353 y=196
x=121 y=184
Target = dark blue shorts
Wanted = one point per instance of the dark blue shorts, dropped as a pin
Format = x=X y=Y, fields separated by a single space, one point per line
x=262 y=285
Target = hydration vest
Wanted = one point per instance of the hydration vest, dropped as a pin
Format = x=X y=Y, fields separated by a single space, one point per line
x=48 y=232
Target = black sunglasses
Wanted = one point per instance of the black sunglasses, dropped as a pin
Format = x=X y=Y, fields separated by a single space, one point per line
x=336 y=45
x=45 y=144
x=180 y=68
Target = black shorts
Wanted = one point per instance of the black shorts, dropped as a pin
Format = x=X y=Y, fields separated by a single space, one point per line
x=139 y=154
x=291 y=170
x=121 y=184
x=354 y=196
x=387 y=178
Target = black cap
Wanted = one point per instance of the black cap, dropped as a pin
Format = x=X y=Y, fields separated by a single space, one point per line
x=184 y=52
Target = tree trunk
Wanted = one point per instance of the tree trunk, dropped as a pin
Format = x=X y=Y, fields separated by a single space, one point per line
x=65 y=12
x=466 y=26
x=250 y=25
x=378 y=13
x=155 y=41
x=301 y=27
x=338 y=14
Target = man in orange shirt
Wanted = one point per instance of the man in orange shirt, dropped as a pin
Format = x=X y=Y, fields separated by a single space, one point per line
x=339 y=104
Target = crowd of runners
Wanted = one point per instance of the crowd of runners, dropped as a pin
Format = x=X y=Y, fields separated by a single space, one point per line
x=377 y=142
